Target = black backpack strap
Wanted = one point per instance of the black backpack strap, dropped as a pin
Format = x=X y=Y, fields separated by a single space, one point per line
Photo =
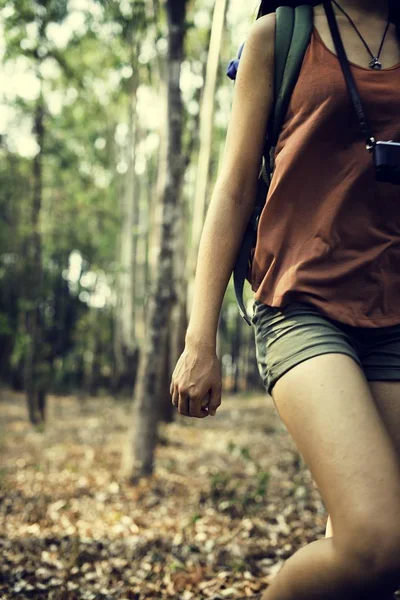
x=292 y=36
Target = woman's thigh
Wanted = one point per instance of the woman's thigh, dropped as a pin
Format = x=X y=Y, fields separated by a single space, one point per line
x=387 y=399
x=327 y=407
x=379 y=351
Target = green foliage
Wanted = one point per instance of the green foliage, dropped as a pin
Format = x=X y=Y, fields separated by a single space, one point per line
x=195 y=518
x=5 y=325
x=85 y=83
x=21 y=344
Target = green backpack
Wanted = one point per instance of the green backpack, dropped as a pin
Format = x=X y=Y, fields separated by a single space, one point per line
x=292 y=37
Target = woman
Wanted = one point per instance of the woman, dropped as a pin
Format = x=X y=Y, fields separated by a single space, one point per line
x=326 y=276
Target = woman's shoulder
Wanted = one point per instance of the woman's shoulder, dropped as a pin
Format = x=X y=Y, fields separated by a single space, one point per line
x=261 y=36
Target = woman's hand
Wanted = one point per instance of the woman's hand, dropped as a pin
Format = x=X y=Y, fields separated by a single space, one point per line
x=196 y=381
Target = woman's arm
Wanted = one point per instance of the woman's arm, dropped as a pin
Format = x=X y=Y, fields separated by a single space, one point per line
x=233 y=197
x=196 y=381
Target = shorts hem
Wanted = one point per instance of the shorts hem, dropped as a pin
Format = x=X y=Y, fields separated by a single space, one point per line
x=380 y=375
x=275 y=373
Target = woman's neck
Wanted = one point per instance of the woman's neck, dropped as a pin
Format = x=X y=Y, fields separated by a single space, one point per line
x=363 y=9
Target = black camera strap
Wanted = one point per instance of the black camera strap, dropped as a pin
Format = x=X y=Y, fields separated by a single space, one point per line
x=348 y=75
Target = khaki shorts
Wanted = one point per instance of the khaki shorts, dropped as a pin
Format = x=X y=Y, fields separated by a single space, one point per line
x=289 y=335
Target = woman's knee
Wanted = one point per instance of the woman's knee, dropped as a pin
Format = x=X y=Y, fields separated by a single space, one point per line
x=373 y=548
x=326 y=404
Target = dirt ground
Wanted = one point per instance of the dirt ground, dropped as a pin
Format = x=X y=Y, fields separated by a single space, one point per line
x=230 y=500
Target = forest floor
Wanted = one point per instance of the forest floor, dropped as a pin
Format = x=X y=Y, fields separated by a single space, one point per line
x=229 y=501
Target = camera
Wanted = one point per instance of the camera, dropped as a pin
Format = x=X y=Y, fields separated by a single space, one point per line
x=387 y=161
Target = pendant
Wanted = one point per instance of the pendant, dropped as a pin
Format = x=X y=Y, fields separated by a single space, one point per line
x=375 y=64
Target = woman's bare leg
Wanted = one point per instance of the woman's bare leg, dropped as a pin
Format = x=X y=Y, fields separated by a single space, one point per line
x=327 y=407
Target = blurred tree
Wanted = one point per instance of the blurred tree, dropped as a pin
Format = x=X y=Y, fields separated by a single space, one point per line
x=205 y=140
x=147 y=391
x=37 y=368
x=96 y=135
x=57 y=200
x=126 y=346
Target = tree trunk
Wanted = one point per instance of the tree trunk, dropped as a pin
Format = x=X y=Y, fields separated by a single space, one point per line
x=206 y=129
x=249 y=358
x=34 y=382
x=178 y=319
x=175 y=346
x=125 y=346
x=157 y=206
x=167 y=410
x=94 y=376
x=147 y=391
x=236 y=351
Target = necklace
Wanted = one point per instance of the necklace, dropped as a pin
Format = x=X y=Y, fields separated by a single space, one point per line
x=374 y=63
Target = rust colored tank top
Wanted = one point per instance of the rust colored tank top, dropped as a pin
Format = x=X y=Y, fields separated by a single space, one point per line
x=329 y=233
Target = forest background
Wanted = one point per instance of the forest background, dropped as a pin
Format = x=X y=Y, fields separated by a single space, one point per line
x=101 y=123
x=113 y=117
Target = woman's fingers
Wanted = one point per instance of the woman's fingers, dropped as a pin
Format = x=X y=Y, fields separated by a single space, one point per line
x=183 y=403
x=175 y=396
x=191 y=406
x=196 y=383
x=215 y=400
